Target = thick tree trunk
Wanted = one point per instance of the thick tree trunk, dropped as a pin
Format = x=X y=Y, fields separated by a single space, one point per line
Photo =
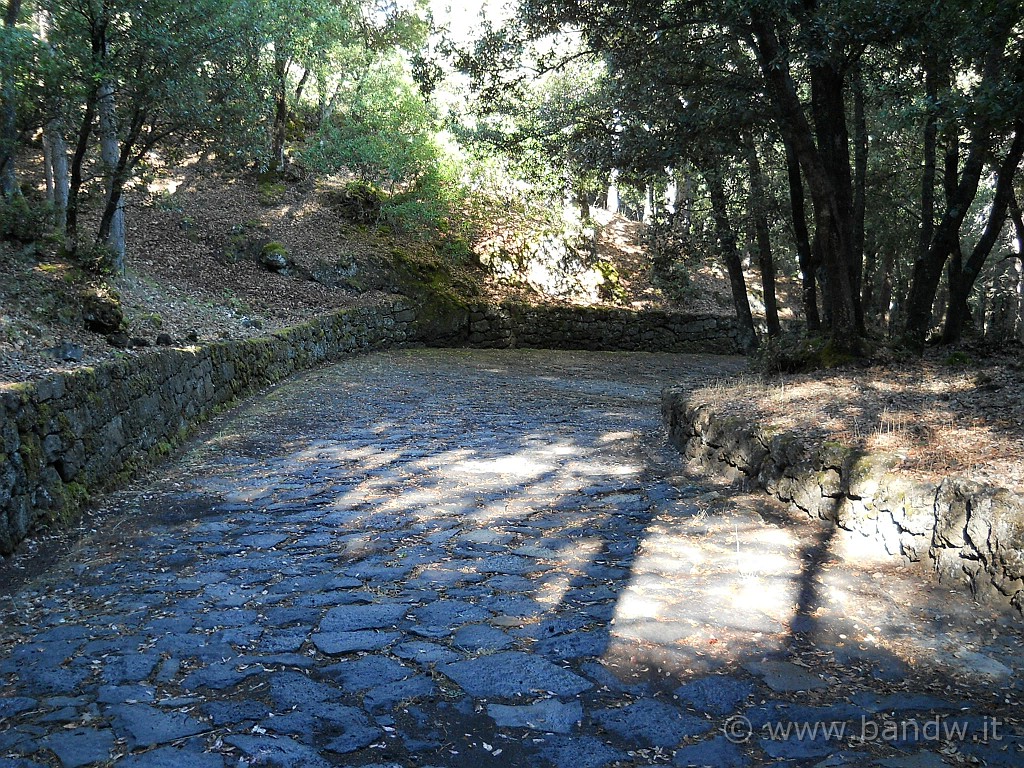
x=731 y=256
x=842 y=263
x=826 y=166
x=929 y=150
x=762 y=236
x=9 y=119
x=962 y=278
x=112 y=235
x=805 y=255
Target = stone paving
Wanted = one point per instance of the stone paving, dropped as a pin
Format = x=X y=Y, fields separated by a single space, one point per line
x=452 y=558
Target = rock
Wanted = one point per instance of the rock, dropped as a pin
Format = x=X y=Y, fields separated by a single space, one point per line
x=718 y=752
x=141 y=341
x=653 y=722
x=481 y=637
x=575 y=752
x=82 y=746
x=383 y=698
x=367 y=672
x=784 y=676
x=548 y=715
x=233 y=712
x=120 y=340
x=274 y=257
x=979 y=664
x=15 y=705
x=715 y=695
x=357 y=732
x=919 y=760
x=348 y=618
x=281 y=751
x=336 y=643
x=145 y=726
x=424 y=653
x=101 y=313
x=510 y=674
x=68 y=352
x=172 y=757
x=164 y=340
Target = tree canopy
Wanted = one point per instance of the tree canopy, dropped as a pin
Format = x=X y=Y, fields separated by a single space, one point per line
x=871 y=147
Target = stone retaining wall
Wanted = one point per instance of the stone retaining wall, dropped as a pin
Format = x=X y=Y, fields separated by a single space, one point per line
x=596 y=328
x=969 y=534
x=70 y=435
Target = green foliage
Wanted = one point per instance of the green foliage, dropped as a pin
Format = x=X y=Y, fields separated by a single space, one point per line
x=382 y=133
x=611 y=289
x=96 y=258
x=274 y=248
x=24 y=220
x=387 y=135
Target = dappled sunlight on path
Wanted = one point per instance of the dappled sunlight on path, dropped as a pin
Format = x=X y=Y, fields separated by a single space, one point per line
x=452 y=558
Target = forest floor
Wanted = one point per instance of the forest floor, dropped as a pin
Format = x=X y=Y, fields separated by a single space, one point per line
x=194 y=238
x=193 y=273
x=944 y=415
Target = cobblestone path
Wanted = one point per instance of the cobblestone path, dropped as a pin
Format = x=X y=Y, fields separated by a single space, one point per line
x=451 y=558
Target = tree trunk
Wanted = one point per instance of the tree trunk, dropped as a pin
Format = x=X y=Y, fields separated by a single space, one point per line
x=842 y=263
x=280 y=127
x=929 y=149
x=683 y=203
x=889 y=307
x=9 y=119
x=962 y=279
x=77 y=161
x=648 y=215
x=928 y=270
x=762 y=236
x=805 y=256
x=867 y=291
x=826 y=165
x=612 y=200
x=960 y=193
x=110 y=156
x=860 y=175
x=59 y=169
x=301 y=87
x=48 y=168
x=733 y=263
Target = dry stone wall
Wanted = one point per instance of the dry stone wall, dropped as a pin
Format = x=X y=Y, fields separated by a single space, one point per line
x=73 y=434
x=598 y=328
x=70 y=435
x=969 y=534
